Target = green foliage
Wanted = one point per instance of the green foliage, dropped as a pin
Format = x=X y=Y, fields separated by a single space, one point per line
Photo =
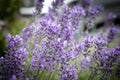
x=17 y=27
x=2 y=43
x=8 y=9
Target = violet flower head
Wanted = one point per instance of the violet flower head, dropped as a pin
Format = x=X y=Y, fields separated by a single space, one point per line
x=14 y=61
x=39 y=5
x=70 y=73
x=57 y=3
x=78 y=10
x=112 y=34
x=101 y=41
x=87 y=2
x=109 y=57
x=117 y=50
x=95 y=11
x=28 y=32
x=85 y=63
x=87 y=42
x=9 y=37
x=111 y=16
x=92 y=13
x=14 y=77
x=14 y=42
x=76 y=15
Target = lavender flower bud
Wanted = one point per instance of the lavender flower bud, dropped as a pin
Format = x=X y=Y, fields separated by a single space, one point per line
x=57 y=3
x=87 y=2
x=15 y=42
x=39 y=5
x=101 y=41
x=111 y=16
x=14 y=77
x=9 y=37
x=94 y=12
x=111 y=34
x=69 y=73
x=27 y=79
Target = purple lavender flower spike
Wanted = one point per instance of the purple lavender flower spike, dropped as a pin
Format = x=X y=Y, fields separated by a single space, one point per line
x=15 y=42
x=28 y=32
x=14 y=77
x=87 y=2
x=111 y=34
x=27 y=79
x=69 y=73
x=57 y=3
x=9 y=37
x=85 y=63
x=101 y=41
x=95 y=11
x=111 y=16
x=12 y=44
x=117 y=50
x=39 y=5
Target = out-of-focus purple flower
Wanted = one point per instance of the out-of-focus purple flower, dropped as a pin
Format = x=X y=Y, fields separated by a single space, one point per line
x=14 y=77
x=64 y=18
x=109 y=20
x=15 y=42
x=94 y=12
x=57 y=3
x=27 y=79
x=70 y=73
x=87 y=43
x=1 y=59
x=9 y=37
x=117 y=50
x=85 y=63
x=111 y=16
x=89 y=24
x=106 y=59
x=39 y=5
x=111 y=34
x=12 y=44
x=14 y=61
x=36 y=42
x=77 y=11
x=28 y=32
x=87 y=2
x=76 y=15
x=101 y=41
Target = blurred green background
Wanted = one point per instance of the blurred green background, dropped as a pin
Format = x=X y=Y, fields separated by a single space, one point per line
x=10 y=21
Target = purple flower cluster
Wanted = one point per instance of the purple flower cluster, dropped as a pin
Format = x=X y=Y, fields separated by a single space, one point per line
x=57 y=3
x=15 y=59
x=53 y=47
x=111 y=34
x=93 y=13
x=39 y=5
x=106 y=59
x=70 y=73
x=87 y=2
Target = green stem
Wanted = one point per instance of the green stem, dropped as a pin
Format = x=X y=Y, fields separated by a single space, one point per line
x=91 y=77
x=40 y=75
x=51 y=76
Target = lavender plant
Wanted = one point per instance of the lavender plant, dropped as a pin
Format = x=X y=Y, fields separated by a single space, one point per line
x=51 y=49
